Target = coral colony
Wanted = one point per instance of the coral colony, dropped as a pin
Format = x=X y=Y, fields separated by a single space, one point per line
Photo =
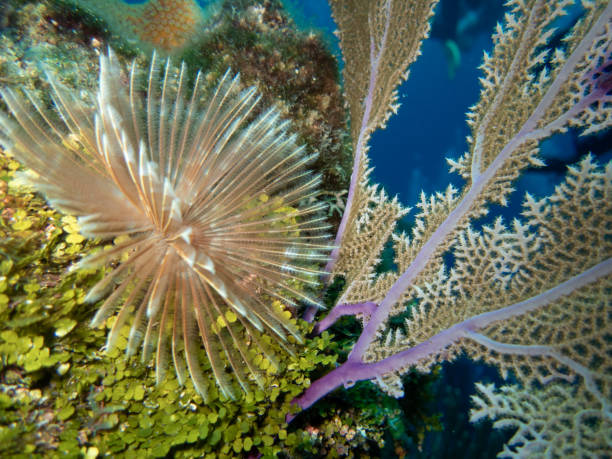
x=533 y=298
x=219 y=227
x=165 y=25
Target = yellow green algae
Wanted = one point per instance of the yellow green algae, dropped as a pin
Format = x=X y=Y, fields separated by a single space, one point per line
x=60 y=392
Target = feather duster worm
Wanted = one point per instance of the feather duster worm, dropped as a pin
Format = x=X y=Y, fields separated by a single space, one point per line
x=211 y=199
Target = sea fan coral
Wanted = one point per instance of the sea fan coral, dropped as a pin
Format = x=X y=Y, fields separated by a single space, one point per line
x=208 y=198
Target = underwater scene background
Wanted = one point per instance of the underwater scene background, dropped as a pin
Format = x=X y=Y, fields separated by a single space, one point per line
x=61 y=393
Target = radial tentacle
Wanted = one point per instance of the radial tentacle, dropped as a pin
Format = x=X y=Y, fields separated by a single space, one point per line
x=212 y=195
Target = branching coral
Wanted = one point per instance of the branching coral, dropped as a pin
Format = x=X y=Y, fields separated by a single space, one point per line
x=533 y=299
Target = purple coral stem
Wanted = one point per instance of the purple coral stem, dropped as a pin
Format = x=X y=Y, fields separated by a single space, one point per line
x=354 y=369
x=345 y=310
x=362 y=140
x=364 y=132
x=459 y=213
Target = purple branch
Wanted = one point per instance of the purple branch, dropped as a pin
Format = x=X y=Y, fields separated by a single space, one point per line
x=359 y=153
x=364 y=132
x=354 y=369
x=460 y=212
x=586 y=277
x=549 y=351
x=344 y=310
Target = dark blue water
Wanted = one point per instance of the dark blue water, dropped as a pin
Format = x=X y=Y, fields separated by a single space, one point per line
x=408 y=155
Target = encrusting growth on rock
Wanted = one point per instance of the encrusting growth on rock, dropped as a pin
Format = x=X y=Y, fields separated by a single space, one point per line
x=165 y=25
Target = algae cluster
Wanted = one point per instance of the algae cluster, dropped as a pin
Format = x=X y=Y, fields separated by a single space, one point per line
x=60 y=392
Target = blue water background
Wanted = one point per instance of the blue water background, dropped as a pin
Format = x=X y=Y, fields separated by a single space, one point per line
x=409 y=155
